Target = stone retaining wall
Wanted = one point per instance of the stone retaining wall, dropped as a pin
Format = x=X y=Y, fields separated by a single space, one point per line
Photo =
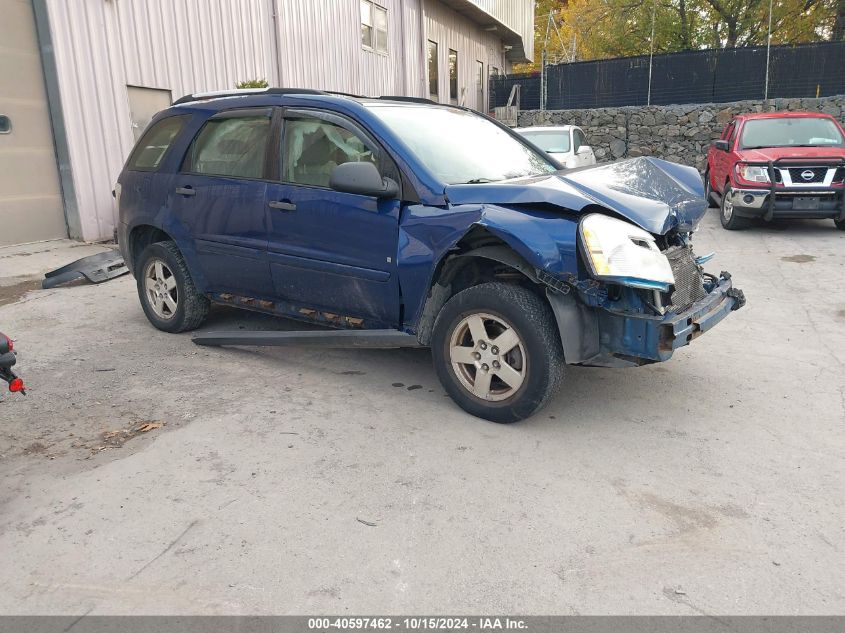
x=680 y=133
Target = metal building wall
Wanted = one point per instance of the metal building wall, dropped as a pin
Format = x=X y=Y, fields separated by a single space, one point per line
x=185 y=46
x=517 y=14
x=450 y=30
x=320 y=47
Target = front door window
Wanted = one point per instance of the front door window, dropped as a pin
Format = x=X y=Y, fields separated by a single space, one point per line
x=313 y=148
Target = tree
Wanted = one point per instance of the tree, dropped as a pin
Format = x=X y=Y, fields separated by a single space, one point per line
x=621 y=28
x=745 y=22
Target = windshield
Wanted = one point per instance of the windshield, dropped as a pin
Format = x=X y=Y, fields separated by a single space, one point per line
x=459 y=146
x=791 y=132
x=552 y=142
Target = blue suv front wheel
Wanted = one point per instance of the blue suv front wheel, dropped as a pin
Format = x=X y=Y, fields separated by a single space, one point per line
x=497 y=351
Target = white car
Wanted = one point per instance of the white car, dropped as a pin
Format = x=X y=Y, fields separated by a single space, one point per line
x=566 y=143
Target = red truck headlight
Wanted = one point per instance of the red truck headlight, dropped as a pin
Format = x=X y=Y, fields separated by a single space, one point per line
x=752 y=173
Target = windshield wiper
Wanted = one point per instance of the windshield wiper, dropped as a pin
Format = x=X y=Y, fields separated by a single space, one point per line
x=477 y=181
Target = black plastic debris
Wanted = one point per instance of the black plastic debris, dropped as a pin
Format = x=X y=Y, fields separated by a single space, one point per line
x=95 y=268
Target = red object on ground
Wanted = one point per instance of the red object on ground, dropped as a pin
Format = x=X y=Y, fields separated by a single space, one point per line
x=16 y=385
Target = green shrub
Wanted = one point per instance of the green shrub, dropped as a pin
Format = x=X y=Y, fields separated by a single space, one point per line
x=252 y=83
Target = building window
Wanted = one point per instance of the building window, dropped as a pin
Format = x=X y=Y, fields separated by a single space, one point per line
x=373 y=26
x=433 y=77
x=479 y=86
x=453 y=76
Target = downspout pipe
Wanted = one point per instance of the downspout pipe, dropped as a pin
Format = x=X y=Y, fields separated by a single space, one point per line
x=423 y=53
x=277 y=33
x=57 y=119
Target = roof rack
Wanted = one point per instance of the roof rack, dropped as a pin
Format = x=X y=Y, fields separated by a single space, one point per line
x=337 y=93
x=240 y=92
x=408 y=99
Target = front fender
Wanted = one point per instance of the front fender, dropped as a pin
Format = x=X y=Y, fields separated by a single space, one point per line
x=547 y=241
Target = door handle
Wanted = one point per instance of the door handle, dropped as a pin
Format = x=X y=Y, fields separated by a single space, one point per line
x=283 y=205
x=186 y=191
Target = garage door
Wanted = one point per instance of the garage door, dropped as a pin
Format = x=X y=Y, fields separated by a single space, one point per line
x=30 y=199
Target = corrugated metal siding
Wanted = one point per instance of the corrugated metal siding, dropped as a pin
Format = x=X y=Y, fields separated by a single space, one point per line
x=190 y=46
x=182 y=45
x=517 y=14
x=320 y=47
x=453 y=31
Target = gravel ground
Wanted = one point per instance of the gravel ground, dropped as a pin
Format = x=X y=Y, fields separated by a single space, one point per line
x=145 y=475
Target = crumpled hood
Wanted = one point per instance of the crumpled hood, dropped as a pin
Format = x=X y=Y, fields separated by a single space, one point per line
x=764 y=154
x=654 y=194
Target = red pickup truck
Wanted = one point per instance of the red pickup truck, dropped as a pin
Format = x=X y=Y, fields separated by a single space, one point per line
x=778 y=165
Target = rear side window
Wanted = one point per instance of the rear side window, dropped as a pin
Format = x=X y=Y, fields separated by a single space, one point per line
x=231 y=145
x=150 y=150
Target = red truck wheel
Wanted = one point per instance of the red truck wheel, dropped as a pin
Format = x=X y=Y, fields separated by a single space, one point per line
x=727 y=215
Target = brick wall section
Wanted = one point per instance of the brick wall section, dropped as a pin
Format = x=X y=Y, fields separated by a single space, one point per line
x=680 y=133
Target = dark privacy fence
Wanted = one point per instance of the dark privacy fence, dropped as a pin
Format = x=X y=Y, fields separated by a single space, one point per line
x=711 y=76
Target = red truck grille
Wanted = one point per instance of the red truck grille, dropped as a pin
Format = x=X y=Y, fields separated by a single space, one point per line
x=797 y=174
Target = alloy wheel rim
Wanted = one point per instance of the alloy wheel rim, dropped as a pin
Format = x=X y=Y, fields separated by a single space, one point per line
x=728 y=206
x=488 y=357
x=160 y=286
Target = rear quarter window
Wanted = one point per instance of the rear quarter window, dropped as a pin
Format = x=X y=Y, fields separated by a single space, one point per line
x=151 y=149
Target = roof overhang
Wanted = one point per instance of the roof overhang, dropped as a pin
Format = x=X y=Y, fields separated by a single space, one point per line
x=515 y=46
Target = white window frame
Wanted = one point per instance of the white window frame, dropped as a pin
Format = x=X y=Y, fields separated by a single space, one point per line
x=435 y=96
x=481 y=88
x=453 y=52
x=374 y=10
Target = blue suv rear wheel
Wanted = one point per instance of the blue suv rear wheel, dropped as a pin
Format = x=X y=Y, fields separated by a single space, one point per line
x=168 y=294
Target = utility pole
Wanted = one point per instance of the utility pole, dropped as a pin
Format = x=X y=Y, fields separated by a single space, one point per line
x=651 y=52
x=768 y=53
x=543 y=79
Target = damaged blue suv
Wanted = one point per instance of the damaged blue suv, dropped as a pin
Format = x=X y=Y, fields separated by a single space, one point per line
x=404 y=222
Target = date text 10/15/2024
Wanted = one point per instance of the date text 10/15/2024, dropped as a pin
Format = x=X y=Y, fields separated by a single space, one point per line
x=417 y=624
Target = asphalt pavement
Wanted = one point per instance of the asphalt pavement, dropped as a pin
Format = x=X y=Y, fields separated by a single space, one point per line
x=143 y=474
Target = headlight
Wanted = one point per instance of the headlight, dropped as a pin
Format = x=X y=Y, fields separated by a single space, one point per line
x=623 y=253
x=752 y=173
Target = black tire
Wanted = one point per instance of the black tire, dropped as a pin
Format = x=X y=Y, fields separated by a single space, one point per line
x=191 y=306
x=708 y=190
x=532 y=320
x=732 y=222
x=840 y=224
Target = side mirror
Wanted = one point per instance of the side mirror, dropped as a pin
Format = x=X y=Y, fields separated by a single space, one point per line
x=364 y=179
x=584 y=149
x=725 y=146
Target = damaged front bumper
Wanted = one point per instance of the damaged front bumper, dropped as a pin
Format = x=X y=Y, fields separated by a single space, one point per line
x=607 y=338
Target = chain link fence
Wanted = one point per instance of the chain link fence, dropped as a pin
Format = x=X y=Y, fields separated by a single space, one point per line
x=708 y=76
